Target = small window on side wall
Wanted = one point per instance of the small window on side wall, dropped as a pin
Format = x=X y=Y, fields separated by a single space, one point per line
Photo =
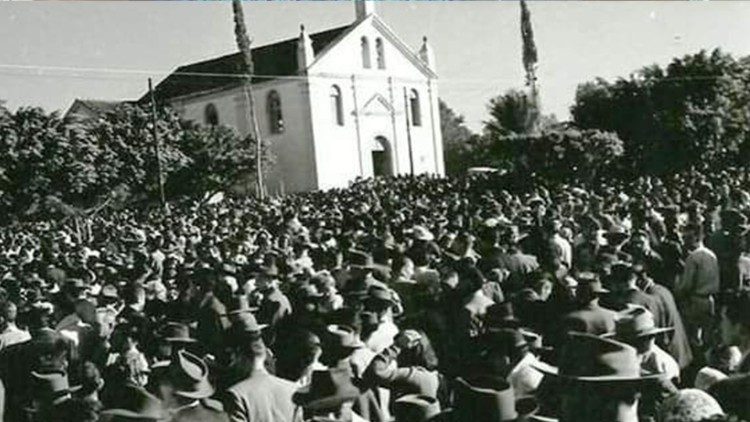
x=416 y=112
x=337 y=109
x=365 y=53
x=211 y=115
x=275 y=118
x=379 y=50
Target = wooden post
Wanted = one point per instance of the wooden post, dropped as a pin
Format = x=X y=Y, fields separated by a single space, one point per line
x=155 y=130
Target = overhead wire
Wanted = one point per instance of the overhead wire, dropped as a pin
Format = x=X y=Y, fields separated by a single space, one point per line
x=5 y=67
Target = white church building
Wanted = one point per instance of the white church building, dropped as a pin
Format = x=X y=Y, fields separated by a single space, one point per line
x=348 y=102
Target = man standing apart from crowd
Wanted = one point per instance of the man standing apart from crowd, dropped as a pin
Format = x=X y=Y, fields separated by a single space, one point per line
x=696 y=289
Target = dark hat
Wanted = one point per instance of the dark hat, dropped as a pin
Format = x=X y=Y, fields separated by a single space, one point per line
x=636 y=322
x=138 y=404
x=592 y=359
x=488 y=398
x=109 y=292
x=617 y=232
x=590 y=282
x=506 y=339
x=239 y=304
x=328 y=389
x=415 y=408
x=175 y=332
x=344 y=337
x=75 y=284
x=501 y=315
x=380 y=293
x=189 y=375
x=246 y=323
x=51 y=387
x=361 y=259
x=308 y=293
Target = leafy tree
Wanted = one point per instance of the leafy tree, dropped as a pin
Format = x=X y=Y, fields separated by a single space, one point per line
x=563 y=153
x=456 y=140
x=219 y=160
x=513 y=112
x=126 y=149
x=73 y=168
x=695 y=110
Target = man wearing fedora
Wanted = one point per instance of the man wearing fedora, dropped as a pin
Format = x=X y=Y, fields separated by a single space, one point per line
x=416 y=408
x=636 y=327
x=596 y=379
x=186 y=389
x=137 y=406
x=330 y=396
x=211 y=312
x=731 y=392
x=488 y=398
x=589 y=316
x=260 y=396
x=275 y=305
x=622 y=284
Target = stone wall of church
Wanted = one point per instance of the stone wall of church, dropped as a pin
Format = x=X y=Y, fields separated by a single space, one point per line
x=293 y=147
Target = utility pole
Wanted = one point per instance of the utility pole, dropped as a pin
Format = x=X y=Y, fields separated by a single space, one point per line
x=157 y=147
x=408 y=133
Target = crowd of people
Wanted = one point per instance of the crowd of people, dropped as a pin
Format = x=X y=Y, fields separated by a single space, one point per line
x=407 y=299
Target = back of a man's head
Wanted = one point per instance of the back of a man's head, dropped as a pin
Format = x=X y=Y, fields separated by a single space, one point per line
x=134 y=293
x=10 y=311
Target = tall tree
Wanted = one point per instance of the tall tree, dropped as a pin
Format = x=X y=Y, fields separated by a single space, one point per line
x=695 y=111
x=456 y=140
x=529 y=47
x=530 y=59
x=244 y=45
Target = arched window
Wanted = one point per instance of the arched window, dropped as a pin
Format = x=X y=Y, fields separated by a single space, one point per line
x=337 y=109
x=380 y=53
x=275 y=118
x=365 y=53
x=416 y=113
x=211 y=115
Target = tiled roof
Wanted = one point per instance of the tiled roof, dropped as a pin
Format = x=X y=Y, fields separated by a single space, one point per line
x=278 y=59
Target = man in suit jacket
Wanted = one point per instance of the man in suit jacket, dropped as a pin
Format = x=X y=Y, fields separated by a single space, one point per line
x=275 y=305
x=261 y=397
x=212 y=319
x=589 y=317
x=189 y=389
x=625 y=291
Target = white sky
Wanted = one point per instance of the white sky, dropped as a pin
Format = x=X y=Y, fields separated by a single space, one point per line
x=477 y=43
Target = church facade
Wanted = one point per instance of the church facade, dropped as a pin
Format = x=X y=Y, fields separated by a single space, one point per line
x=349 y=102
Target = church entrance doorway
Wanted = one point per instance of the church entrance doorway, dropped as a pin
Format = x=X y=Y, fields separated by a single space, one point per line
x=381 y=157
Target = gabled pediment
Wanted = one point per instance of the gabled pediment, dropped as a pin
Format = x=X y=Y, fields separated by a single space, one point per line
x=377 y=105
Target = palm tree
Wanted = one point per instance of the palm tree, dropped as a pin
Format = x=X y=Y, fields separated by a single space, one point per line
x=243 y=43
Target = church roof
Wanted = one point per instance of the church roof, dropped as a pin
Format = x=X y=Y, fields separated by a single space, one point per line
x=278 y=59
x=92 y=107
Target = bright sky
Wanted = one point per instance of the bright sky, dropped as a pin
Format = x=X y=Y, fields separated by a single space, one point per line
x=477 y=43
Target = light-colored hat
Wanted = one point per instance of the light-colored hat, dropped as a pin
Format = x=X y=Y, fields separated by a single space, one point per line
x=422 y=233
x=707 y=377
x=689 y=405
